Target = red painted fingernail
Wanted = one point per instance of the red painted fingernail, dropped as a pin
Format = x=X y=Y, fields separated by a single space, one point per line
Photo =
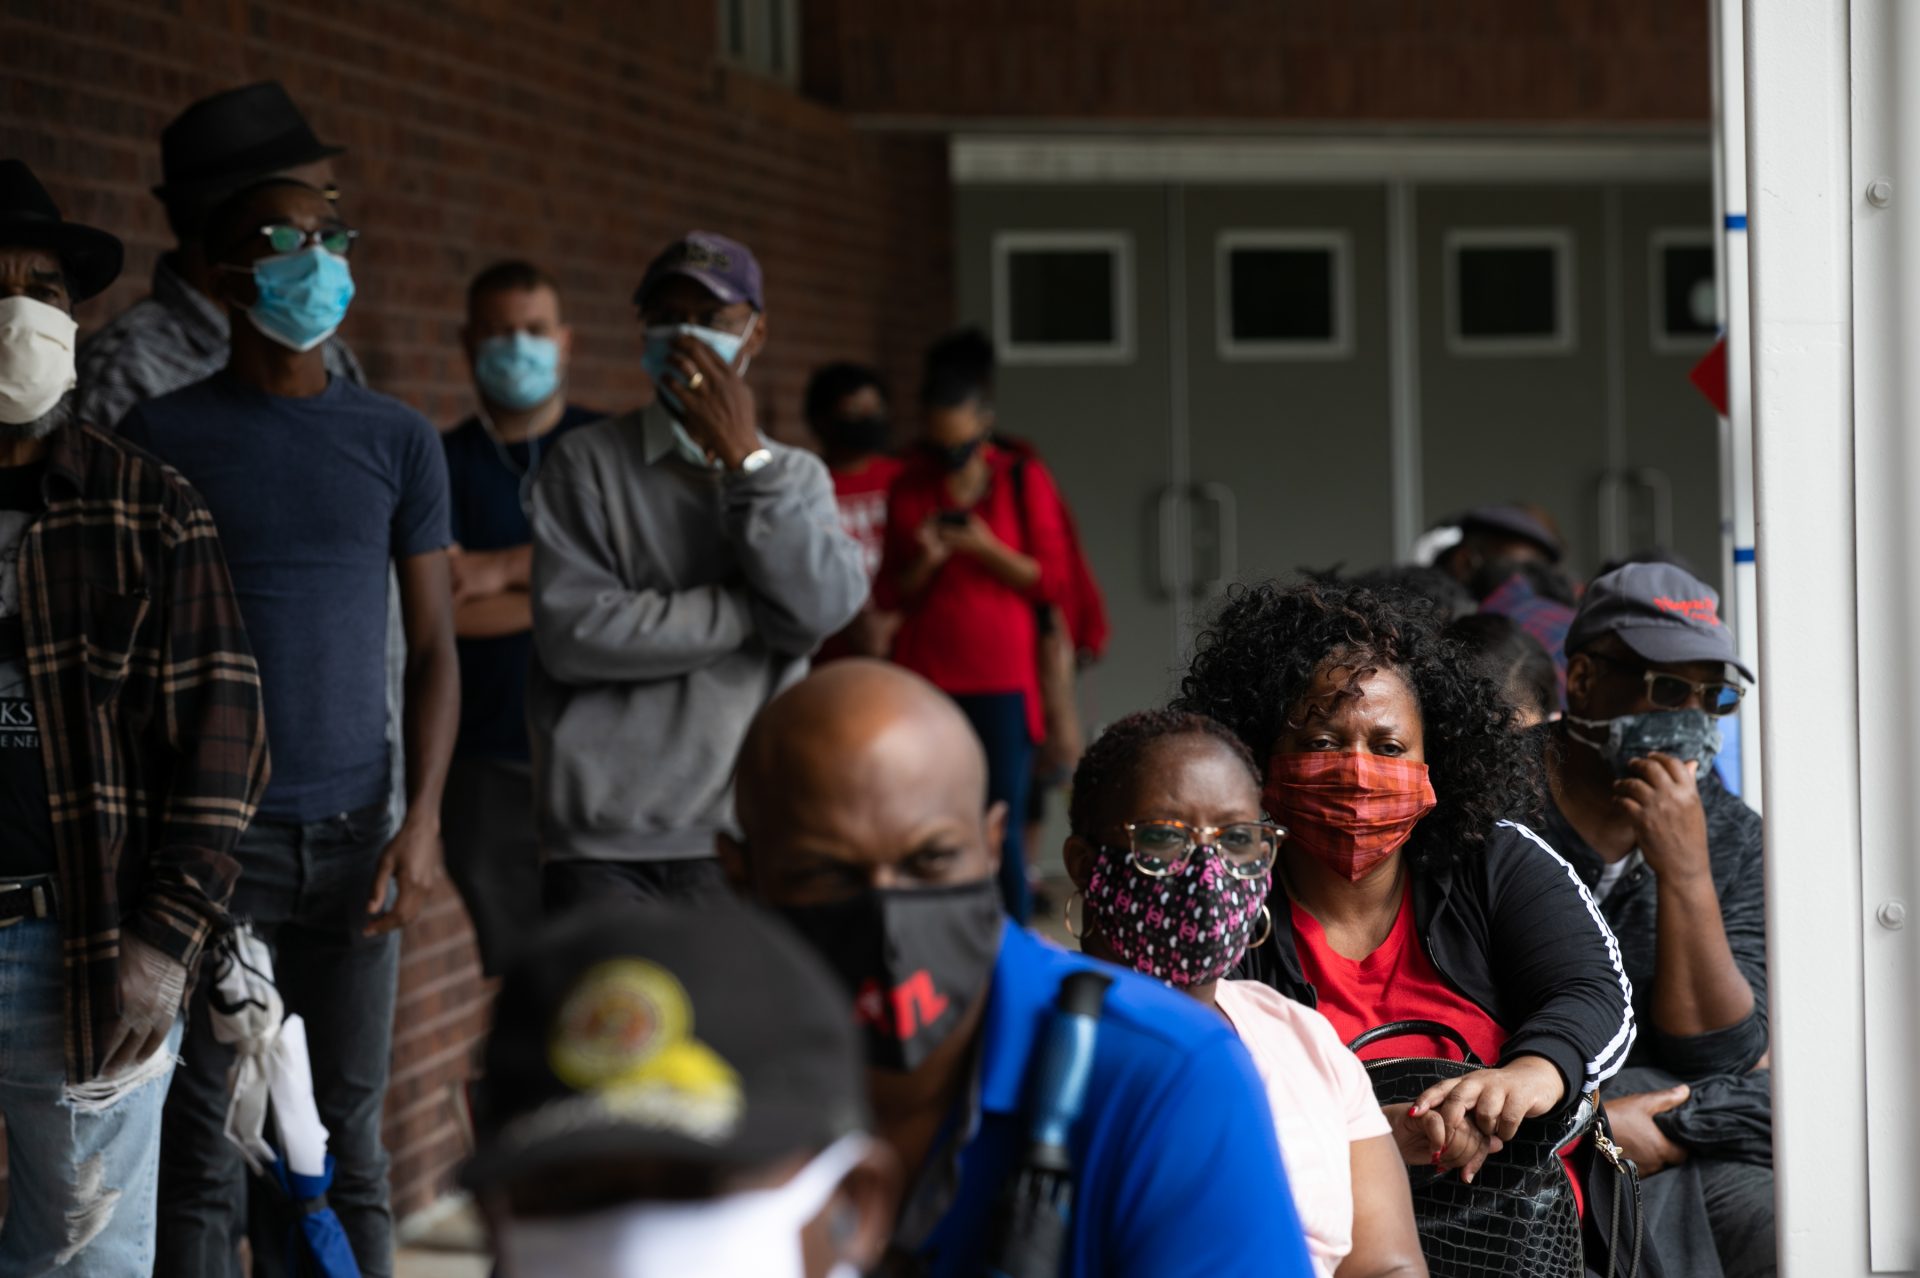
x=1436 y=1160
x=1413 y=1111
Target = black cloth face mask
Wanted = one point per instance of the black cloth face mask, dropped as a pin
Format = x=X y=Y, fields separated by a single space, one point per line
x=953 y=457
x=914 y=960
x=856 y=434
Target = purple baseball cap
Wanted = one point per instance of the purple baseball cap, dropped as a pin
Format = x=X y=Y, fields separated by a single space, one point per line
x=1665 y=614
x=726 y=268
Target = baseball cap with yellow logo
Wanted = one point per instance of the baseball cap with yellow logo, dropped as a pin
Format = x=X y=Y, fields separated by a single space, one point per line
x=704 y=1034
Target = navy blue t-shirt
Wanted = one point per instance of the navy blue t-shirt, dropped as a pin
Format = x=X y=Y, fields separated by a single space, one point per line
x=489 y=514
x=314 y=498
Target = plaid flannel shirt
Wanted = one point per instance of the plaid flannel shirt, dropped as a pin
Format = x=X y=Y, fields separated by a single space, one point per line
x=1547 y=620
x=148 y=698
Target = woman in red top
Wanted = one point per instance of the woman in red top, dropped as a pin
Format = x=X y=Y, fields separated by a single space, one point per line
x=975 y=545
x=847 y=410
x=1401 y=893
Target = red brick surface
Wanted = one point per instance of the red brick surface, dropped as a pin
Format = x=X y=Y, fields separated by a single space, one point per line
x=582 y=136
x=1512 y=62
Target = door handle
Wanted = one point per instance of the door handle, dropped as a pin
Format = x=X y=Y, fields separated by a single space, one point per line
x=1611 y=491
x=1226 y=538
x=1659 y=488
x=1166 y=556
x=1616 y=498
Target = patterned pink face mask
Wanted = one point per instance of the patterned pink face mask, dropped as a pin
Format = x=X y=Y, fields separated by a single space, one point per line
x=1186 y=929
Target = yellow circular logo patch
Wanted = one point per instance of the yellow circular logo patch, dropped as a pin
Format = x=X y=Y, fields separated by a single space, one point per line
x=624 y=1035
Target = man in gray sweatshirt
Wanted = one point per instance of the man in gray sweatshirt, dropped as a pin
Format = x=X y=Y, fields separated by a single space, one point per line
x=684 y=568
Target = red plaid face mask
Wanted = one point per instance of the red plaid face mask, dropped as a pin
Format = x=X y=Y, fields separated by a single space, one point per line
x=1348 y=811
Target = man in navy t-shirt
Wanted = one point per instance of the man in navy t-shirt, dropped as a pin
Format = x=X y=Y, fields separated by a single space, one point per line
x=320 y=488
x=517 y=346
x=862 y=798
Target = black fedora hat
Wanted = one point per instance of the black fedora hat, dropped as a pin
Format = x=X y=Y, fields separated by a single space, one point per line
x=221 y=143
x=89 y=257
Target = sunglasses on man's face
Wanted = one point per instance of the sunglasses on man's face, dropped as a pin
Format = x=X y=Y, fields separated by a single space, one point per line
x=1672 y=692
x=285 y=238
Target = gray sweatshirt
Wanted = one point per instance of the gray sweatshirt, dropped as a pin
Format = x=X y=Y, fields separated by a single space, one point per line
x=669 y=605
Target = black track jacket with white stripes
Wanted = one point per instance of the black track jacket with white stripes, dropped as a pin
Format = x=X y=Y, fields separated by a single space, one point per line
x=1514 y=929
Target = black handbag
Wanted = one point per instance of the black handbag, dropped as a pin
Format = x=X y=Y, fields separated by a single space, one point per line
x=1518 y=1219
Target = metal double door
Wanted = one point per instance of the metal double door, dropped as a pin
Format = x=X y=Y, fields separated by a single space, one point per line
x=1192 y=461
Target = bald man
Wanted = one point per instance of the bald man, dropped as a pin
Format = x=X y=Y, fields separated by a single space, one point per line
x=864 y=819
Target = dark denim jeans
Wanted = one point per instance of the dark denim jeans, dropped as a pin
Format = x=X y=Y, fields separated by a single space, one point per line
x=566 y=886
x=304 y=887
x=1000 y=721
x=493 y=854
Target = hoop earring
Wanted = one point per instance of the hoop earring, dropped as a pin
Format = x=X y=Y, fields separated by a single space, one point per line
x=1266 y=917
x=1066 y=914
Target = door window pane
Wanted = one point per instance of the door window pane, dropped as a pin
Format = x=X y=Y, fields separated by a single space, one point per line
x=1684 y=304
x=1509 y=292
x=1063 y=297
x=1283 y=294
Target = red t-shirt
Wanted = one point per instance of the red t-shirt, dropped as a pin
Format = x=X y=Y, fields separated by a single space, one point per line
x=968 y=632
x=1397 y=982
x=862 y=495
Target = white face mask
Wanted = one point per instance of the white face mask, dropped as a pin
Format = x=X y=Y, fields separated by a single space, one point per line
x=36 y=358
x=749 y=1235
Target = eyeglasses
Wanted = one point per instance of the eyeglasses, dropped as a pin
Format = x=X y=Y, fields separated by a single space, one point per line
x=337 y=240
x=1162 y=848
x=1671 y=692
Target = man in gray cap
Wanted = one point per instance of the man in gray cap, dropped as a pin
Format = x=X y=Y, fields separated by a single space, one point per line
x=1675 y=861
x=684 y=569
x=178 y=335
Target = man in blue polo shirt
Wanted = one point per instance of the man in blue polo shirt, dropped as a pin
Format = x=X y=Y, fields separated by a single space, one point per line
x=862 y=806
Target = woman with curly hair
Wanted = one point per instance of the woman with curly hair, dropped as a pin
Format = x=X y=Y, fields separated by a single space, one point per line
x=1402 y=892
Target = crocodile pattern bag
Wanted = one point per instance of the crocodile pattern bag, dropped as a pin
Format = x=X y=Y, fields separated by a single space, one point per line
x=1518 y=1219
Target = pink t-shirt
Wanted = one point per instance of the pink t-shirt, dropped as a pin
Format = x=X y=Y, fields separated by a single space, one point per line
x=1321 y=1101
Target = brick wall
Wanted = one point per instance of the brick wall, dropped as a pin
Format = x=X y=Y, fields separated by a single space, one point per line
x=581 y=135
x=1517 y=62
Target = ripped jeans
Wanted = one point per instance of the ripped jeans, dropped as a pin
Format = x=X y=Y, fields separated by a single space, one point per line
x=81 y=1175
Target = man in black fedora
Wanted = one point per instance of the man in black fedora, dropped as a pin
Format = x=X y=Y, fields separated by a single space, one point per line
x=179 y=334
x=132 y=753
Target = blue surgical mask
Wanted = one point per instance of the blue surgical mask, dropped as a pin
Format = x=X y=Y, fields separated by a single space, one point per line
x=303 y=296
x=517 y=370
x=653 y=359
x=660 y=339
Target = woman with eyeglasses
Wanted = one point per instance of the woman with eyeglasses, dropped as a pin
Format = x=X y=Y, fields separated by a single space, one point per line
x=1173 y=860
x=1401 y=892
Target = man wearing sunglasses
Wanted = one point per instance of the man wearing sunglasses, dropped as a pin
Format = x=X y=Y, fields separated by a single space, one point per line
x=1675 y=862
x=177 y=335
x=320 y=488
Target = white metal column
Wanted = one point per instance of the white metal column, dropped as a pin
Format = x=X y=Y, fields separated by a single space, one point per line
x=1885 y=215
x=1835 y=274
x=1736 y=428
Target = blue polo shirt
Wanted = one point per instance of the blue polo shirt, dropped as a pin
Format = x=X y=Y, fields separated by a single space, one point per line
x=1177 y=1172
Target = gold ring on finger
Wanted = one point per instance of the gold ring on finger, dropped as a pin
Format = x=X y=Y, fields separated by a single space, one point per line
x=698 y=380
